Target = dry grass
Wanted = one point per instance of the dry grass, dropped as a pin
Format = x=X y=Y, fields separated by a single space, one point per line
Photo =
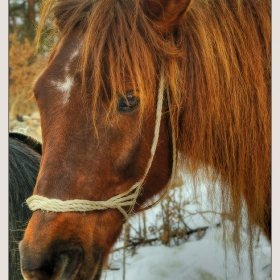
x=169 y=227
x=23 y=68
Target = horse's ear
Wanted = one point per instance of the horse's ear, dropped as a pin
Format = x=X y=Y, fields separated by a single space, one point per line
x=166 y=14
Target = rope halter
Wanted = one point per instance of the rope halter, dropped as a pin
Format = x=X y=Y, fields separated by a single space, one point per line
x=125 y=199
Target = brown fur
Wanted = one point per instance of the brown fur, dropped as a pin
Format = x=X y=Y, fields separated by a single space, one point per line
x=216 y=58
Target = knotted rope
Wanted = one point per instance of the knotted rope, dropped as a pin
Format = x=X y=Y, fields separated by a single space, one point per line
x=125 y=199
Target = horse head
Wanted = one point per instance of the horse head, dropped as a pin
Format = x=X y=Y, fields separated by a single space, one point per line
x=98 y=126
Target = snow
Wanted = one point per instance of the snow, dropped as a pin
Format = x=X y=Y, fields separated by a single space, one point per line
x=194 y=260
x=197 y=259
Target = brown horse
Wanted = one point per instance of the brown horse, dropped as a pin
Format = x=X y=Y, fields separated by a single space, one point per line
x=99 y=96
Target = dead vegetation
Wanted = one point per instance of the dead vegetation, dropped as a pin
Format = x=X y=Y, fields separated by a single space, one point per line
x=170 y=227
x=23 y=69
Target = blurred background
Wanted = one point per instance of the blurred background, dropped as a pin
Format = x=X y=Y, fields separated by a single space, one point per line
x=24 y=65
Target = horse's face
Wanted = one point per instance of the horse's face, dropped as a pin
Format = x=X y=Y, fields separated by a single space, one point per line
x=78 y=163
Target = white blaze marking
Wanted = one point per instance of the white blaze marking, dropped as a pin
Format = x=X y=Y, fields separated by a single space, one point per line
x=65 y=88
x=66 y=85
x=72 y=56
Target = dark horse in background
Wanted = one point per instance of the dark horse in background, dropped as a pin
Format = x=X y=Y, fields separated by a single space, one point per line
x=98 y=98
x=24 y=163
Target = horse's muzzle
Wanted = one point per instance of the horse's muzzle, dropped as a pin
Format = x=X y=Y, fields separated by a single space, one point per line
x=57 y=263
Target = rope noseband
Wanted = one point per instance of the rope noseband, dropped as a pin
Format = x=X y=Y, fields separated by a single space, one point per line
x=125 y=199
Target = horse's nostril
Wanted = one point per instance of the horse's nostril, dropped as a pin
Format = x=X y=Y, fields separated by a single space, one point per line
x=62 y=262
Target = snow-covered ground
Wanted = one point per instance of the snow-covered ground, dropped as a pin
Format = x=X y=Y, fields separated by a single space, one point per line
x=197 y=259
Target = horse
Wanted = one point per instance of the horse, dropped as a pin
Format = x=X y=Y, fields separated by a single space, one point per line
x=24 y=162
x=131 y=92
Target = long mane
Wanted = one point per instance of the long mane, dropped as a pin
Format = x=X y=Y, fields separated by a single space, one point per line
x=217 y=64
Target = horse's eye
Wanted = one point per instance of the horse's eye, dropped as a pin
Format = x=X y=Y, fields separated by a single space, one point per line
x=128 y=103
